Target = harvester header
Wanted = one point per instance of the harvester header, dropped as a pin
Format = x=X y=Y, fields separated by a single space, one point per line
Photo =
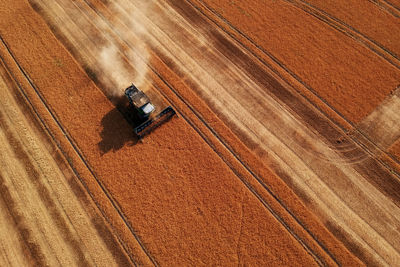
x=143 y=112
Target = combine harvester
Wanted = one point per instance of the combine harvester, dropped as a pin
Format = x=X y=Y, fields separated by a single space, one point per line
x=142 y=112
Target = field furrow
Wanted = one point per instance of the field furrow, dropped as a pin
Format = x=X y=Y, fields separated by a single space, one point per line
x=283 y=150
x=45 y=214
x=168 y=193
x=365 y=18
x=346 y=69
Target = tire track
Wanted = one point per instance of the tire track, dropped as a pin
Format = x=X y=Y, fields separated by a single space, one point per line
x=318 y=260
x=388 y=7
x=309 y=88
x=45 y=194
x=395 y=6
x=70 y=140
x=263 y=202
x=348 y=30
x=31 y=253
x=364 y=147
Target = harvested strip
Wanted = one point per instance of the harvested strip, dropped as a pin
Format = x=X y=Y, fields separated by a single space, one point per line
x=395 y=150
x=337 y=68
x=84 y=174
x=276 y=183
x=382 y=126
x=50 y=220
x=13 y=251
x=189 y=220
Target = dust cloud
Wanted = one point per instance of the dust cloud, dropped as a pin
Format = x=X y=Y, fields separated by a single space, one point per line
x=117 y=69
x=112 y=55
x=111 y=64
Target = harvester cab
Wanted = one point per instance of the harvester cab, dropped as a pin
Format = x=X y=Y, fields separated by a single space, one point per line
x=144 y=112
x=139 y=101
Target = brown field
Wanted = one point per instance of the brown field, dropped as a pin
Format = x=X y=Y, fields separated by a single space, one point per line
x=367 y=20
x=394 y=3
x=350 y=78
x=47 y=217
x=395 y=150
x=283 y=151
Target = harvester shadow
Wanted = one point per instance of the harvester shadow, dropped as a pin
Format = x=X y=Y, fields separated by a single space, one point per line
x=117 y=132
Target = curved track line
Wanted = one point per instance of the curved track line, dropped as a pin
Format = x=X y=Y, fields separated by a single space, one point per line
x=266 y=53
x=309 y=88
x=76 y=149
x=243 y=180
x=245 y=166
x=222 y=157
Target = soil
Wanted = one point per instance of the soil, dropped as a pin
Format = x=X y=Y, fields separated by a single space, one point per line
x=182 y=202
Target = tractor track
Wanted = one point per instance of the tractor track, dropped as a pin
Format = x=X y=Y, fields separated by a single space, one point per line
x=244 y=165
x=215 y=134
x=242 y=179
x=371 y=154
x=267 y=54
x=348 y=30
x=212 y=130
x=354 y=160
x=361 y=144
x=76 y=149
x=388 y=7
x=392 y=5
